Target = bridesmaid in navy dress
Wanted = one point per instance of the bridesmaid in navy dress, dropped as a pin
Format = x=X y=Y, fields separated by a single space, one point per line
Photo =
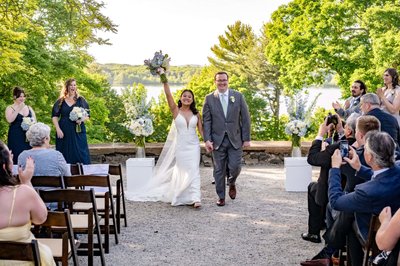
x=17 y=142
x=72 y=144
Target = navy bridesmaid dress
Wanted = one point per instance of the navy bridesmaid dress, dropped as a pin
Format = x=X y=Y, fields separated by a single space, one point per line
x=16 y=140
x=74 y=145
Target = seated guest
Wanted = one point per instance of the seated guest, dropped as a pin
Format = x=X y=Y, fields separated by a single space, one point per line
x=388 y=235
x=20 y=205
x=318 y=191
x=370 y=105
x=339 y=223
x=370 y=197
x=48 y=162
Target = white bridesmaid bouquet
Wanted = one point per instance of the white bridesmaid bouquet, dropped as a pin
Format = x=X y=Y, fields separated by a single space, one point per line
x=27 y=122
x=159 y=61
x=76 y=114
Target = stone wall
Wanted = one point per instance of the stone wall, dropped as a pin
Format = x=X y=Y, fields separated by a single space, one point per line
x=260 y=153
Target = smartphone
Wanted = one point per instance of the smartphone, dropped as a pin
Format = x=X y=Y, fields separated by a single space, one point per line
x=344 y=148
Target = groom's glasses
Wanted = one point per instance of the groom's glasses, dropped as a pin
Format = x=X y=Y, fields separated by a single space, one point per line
x=221 y=80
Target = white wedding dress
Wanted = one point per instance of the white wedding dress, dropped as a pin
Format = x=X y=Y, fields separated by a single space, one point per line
x=176 y=177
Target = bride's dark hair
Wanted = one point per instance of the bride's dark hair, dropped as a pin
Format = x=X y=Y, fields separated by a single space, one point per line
x=192 y=105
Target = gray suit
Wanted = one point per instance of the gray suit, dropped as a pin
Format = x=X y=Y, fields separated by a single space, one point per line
x=227 y=135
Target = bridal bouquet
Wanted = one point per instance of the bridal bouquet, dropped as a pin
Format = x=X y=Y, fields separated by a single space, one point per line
x=76 y=114
x=27 y=122
x=159 y=61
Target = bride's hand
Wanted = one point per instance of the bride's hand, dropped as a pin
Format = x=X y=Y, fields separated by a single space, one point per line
x=160 y=71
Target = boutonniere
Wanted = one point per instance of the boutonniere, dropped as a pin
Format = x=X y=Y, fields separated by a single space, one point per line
x=232 y=99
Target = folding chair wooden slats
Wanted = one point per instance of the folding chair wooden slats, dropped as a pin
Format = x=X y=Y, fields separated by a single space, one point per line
x=370 y=248
x=69 y=197
x=65 y=247
x=116 y=170
x=10 y=250
x=48 y=181
x=102 y=181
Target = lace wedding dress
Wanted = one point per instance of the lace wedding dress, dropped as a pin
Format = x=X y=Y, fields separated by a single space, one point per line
x=176 y=177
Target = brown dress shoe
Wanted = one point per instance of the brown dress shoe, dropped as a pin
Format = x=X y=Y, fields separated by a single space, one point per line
x=221 y=202
x=232 y=191
x=319 y=262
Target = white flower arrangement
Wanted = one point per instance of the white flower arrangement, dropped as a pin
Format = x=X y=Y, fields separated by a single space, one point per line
x=141 y=127
x=296 y=127
x=139 y=121
x=27 y=122
x=299 y=116
x=232 y=98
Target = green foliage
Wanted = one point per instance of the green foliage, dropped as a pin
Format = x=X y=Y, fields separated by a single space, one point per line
x=351 y=39
x=42 y=43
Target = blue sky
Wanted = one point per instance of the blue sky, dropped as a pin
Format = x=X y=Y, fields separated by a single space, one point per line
x=185 y=29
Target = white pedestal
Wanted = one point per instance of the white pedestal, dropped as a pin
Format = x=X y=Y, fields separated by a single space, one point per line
x=298 y=173
x=138 y=173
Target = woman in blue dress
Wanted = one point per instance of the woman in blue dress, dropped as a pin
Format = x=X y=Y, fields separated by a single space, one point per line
x=15 y=115
x=71 y=138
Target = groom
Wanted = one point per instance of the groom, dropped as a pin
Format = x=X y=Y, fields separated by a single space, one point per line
x=226 y=122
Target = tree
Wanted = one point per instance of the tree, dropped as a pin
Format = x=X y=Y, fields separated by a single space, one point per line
x=240 y=52
x=42 y=43
x=351 y=39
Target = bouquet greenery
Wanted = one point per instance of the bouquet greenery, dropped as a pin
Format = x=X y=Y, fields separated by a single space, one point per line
x=159 y=61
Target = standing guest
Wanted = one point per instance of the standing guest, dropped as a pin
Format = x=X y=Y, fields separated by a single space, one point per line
x=226 y=122
x=70 y=141
x=370 y=106
x=20 y=206
x=352 y=104
x=390 y=93
x=15 y=114
x=48 y=162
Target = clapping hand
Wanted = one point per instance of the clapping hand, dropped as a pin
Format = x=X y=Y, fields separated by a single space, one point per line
x=336 y=105
x=25 y=176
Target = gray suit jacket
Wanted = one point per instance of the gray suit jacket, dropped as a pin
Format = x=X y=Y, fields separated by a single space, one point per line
x=236 y=124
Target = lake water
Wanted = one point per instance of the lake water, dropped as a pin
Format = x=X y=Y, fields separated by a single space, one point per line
x=328 y=95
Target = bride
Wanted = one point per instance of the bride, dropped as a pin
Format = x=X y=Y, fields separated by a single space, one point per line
x=176 y=178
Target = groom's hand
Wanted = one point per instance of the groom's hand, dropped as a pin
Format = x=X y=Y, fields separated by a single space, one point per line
x=209 y=146
x=246 y=144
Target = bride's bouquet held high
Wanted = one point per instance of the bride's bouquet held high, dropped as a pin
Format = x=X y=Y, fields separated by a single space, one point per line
x=159 y=61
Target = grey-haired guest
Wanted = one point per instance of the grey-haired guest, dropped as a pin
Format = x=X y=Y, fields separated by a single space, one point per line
x=48 y=162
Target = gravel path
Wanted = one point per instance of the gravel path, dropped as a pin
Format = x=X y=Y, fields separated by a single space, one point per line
x=262 y=226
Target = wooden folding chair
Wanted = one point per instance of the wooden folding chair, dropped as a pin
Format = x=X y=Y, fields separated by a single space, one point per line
x=20 y=251
x=62 y=248
x=76 y=169
x=48 y=181
x=371 y=249
x=119 y=194
x=117 y=190
x=81 y=223
x=104 y=204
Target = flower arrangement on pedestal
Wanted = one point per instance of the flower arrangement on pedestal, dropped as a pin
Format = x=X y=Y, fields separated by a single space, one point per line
x=299 y=118
x=139 y=121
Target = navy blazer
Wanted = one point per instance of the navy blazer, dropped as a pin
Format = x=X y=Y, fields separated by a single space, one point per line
x=368 y=198
x=389 y=124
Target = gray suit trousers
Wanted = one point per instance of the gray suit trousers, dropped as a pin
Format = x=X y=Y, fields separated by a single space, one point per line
x=226 y=153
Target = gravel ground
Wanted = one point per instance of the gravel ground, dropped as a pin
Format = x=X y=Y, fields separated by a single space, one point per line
x=262 y=226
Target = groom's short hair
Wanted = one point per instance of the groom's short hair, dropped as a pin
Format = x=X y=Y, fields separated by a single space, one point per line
x=221 y=73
